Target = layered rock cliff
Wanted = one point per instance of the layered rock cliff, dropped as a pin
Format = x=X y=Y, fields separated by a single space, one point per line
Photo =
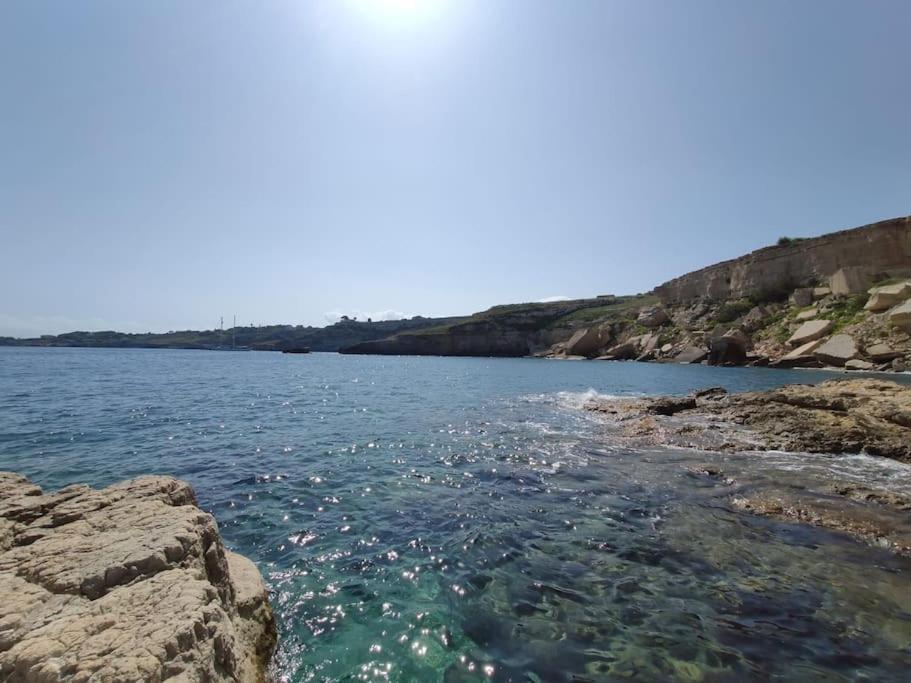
x=511 y=330
x=836 y=300
x=128 y=583
x=849 y=261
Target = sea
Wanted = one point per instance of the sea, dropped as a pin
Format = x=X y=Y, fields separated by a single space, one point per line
x=466 y=519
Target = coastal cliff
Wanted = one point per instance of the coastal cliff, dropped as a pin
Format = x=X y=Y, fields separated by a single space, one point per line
x=855 y=257
x=127 y=583
x=510 y=330
x=842 y=300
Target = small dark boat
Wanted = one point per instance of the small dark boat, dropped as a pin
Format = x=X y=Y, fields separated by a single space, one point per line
x=298 y=349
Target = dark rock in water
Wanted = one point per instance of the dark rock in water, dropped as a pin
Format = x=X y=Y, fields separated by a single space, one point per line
x=669 y=405
x=710 y=394
x=298 y=349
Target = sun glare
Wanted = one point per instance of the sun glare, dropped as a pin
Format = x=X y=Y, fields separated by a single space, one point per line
x=401 y=13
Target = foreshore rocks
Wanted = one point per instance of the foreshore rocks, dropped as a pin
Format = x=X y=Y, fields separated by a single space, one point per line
x=127 y=583
x=837 y=416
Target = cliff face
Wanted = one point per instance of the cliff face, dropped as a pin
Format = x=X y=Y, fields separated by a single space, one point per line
x=127 y=583
x=511 y=330
x=863 y=255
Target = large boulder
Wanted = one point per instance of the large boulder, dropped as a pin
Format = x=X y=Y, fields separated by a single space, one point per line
x=691 y=354
x=900 y=316
x=625 y=351
x=802 y=356
x=850 y=280
x=755 y=319
x=882 y=352
x=858 y=364
x=887 y=296
x=586 y=342
x=127 y=583
x=728 y=350
x=803 y=296
x=838 y=350
x=810 y=331
x=654 y=316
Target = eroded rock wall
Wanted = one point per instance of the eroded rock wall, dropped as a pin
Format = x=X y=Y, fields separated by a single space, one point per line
x=882 y=248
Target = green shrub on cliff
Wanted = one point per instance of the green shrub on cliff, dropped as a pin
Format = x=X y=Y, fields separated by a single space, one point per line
x=731 y=310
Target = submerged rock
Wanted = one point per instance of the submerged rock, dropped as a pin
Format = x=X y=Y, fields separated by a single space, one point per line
x=127 y=583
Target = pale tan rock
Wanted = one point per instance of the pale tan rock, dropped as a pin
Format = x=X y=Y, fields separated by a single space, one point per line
x=691 y=354
x=838 y=350
x=126 y=583
x=854 y=280
x=808 y=314
x=887 y=296
x=652 y=317
x=900 y=316
x=810 y=331
x=858 y=364
x=879 y=248
x=882 y=352
x=805 y=350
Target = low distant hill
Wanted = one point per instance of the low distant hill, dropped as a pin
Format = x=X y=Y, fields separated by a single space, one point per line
x=267 y=338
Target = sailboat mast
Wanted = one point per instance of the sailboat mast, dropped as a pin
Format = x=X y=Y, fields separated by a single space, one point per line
x=234 y=334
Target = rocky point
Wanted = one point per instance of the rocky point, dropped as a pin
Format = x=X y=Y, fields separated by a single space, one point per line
x=127 y=583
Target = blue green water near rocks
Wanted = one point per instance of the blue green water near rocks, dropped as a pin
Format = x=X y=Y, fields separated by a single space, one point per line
x=457 y=519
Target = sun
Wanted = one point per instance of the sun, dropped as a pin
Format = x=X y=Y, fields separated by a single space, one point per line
x=401 y=13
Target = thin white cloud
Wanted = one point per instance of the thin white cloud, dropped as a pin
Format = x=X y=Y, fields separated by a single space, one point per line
x=552 y=299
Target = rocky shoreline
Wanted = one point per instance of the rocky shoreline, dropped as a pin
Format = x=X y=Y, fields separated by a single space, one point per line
x=131 y=582
x=848 y=416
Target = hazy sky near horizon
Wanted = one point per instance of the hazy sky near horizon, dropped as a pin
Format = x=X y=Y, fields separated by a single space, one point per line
x=164 y=163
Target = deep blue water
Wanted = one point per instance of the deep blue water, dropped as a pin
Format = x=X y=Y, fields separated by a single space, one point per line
x=460 y=519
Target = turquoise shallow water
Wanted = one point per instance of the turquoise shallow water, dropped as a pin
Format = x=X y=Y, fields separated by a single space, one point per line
x=423 y=519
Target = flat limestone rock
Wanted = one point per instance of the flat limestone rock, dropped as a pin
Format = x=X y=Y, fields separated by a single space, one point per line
x=691 y=354
x=838 y=350
x=127 y=583
x=805 y=350
x=887 y=296
x=810 y=331
x=882 y=352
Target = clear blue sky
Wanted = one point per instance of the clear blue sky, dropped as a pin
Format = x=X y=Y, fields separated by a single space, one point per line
x=164 y=163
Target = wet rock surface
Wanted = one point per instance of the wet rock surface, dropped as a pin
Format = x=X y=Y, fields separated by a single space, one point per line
x=836 y=417
x=130 y=582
